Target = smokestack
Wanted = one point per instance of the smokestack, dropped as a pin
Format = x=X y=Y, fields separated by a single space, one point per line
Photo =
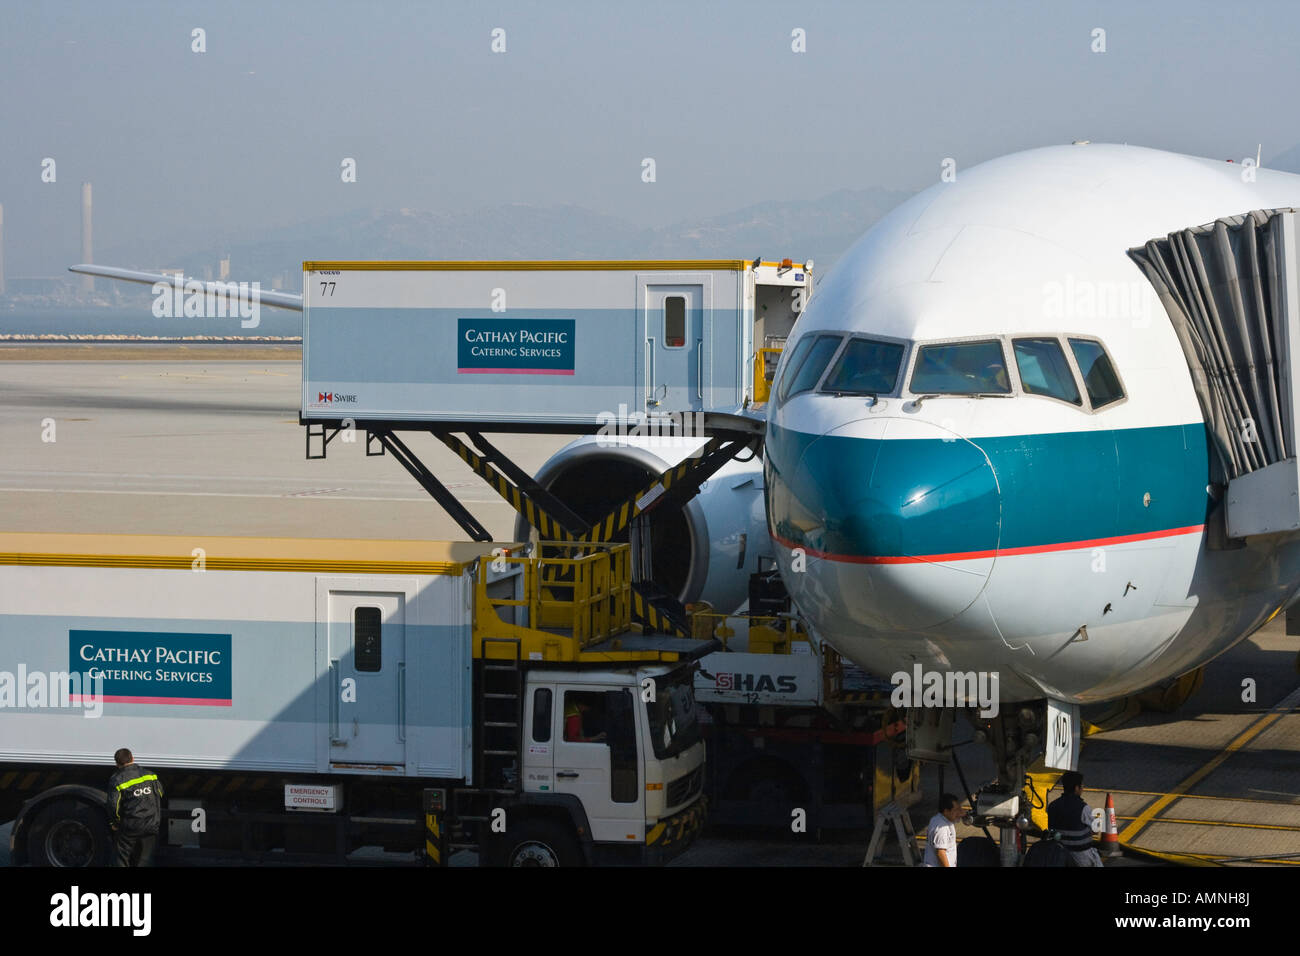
x=2 y=249
x=87 y=246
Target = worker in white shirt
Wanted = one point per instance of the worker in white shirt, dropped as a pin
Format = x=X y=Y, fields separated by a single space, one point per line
x=941 y=833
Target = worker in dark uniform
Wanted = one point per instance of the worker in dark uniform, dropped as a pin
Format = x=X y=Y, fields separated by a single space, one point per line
x=1069 y=815
x=134 y=811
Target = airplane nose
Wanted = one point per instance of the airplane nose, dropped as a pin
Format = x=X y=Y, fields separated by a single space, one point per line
x=904 y=517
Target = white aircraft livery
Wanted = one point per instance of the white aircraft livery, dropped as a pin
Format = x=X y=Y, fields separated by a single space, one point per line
x=985 y=449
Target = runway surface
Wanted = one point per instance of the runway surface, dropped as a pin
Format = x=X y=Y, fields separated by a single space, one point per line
x=211 y=447
x=1218 y=781
x=144 y=442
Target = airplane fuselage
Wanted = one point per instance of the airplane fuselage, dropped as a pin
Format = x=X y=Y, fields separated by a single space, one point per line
x=1065 y=540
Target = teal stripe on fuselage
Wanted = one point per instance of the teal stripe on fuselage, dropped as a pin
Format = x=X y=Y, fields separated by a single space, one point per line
x=861 y=497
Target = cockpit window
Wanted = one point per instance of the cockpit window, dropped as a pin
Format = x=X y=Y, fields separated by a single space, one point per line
x=794 y=360
x=961 y=368
x=803 y=375
x=1044 y=370
x=1099 y=376
x=865 y=368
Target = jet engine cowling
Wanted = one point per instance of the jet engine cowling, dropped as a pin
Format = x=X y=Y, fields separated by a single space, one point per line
x=703 y=551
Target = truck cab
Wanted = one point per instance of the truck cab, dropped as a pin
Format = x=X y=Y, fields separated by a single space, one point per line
x=588 y=749
x=627 y=746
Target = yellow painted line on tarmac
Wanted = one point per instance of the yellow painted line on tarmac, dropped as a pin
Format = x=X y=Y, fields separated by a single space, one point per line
x=1283 y=707
x=1197 y=796
x=1178 y=859
x=1222 y=823
x=1215 y=858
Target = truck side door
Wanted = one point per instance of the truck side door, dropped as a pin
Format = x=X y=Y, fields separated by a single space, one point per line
x=539 y=750
x=367 y=664
x=597 y=759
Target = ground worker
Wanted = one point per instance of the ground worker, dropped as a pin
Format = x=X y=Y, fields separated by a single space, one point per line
x=1069 y=815
x=134 y=811
x=941 y=833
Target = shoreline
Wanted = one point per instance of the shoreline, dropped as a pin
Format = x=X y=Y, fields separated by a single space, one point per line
x=100 y=351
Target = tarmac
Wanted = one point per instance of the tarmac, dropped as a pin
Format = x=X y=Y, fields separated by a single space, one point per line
x=206 y=441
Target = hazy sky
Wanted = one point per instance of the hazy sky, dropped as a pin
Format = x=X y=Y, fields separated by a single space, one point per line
x=251 y=133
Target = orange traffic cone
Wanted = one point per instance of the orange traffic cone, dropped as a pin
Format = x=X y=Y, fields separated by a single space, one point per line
x=1110 y=838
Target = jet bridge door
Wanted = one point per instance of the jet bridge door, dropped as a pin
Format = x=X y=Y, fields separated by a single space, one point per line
x=676 y=322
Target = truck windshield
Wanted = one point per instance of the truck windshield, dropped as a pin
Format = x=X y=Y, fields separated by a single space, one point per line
x=673 y=727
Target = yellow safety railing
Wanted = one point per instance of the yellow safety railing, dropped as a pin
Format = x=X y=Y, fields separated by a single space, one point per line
x=592 y=604
x=767 y=634
x=765 y=362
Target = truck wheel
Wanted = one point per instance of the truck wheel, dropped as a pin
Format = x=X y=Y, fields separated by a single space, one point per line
x=977 y=851
x=69 y=833
x=538 y=843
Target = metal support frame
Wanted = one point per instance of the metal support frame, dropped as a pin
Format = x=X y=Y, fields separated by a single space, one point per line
x=675 y=486
x=429 y=482
x=553 y=519
x=320 y=431
x=658 y=611
x=545 y=512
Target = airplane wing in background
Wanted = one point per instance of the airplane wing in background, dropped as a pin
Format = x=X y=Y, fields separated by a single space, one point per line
x=278 y=300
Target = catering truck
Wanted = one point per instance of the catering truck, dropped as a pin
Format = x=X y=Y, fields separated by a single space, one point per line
x=300 y=697
x=662 y=364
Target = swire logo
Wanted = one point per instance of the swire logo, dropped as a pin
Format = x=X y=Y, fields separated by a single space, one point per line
x=333 y=398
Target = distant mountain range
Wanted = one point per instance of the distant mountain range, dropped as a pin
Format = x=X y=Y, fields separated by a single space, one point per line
x=819 y=229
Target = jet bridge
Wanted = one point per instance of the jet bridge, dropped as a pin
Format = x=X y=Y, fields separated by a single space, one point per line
x=1231 y=290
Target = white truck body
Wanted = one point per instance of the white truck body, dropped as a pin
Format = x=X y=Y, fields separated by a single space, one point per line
x=553 y=345
x=238 y=669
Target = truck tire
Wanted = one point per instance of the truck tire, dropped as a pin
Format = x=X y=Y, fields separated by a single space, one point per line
x=977 y=851
x=537 y=843
x=1047 y=853
x=69 y=833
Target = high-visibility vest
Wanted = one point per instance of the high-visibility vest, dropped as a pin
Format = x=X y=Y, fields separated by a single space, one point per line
x=1066 y=815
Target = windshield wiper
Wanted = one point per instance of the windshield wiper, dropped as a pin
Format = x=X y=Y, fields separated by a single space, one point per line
x=916 y=402
x=854 y=394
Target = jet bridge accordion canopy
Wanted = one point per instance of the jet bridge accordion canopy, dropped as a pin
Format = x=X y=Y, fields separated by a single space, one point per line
x=1230 y=289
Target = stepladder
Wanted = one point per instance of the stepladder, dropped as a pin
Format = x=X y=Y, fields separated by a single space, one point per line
x=894 y=817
